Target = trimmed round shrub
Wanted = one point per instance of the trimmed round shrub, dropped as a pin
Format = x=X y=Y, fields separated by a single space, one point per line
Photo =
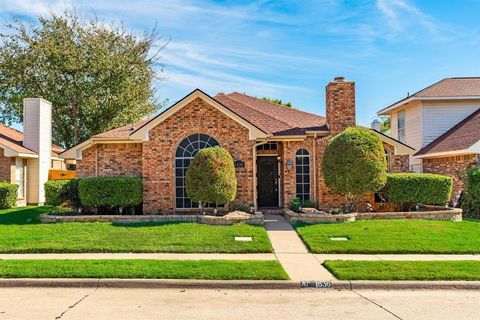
x=354 y=163
x=8 y=195
x=210 y=178
x=110 y=191
x=58 y=192
x=424 y=188
x=471 y=197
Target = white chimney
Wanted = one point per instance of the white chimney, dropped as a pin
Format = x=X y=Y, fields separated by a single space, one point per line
x=375 y=125
x=37 y=136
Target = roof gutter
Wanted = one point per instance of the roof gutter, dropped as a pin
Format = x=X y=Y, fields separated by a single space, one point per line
x=396 y=105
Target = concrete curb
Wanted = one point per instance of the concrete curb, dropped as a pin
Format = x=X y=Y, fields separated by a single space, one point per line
x=236 y=284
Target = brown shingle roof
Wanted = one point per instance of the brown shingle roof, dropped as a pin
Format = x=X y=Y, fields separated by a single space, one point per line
x=270 y=117
x=452 y=87
x=121 y=132
x=13 y=139
x=460 y=137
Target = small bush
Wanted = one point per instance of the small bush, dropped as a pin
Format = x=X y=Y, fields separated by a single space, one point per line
x=239 y=205
x=424 y=188
x=58 y=192
x=211 y=178
x=53 y=192
x=110 y=191
x=471 y=198
x=8 y=195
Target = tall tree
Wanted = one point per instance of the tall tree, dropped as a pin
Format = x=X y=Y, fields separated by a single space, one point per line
x=97 y=76
x=278 y=101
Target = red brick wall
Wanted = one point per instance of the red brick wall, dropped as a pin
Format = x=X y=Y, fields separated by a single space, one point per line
x=396 y=163
x=451 y=166
x=340 y=105
x=5 y=167
x=111 y=160
x=159 y=152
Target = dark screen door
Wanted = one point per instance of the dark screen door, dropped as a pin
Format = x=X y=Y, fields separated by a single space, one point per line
x=267 y=181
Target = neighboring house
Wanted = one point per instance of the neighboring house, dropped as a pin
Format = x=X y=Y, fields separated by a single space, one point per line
x=26 y=158
x=442 y=123
x=277 y=150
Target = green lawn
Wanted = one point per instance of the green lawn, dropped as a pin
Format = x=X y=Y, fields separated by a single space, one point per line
x=404 y=270
x=393 y=236
x=145 y=269
x=20 y=232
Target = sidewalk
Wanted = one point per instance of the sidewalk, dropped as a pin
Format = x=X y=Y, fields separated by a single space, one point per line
x=154 y=256
x=404 y=257
x=292 y=253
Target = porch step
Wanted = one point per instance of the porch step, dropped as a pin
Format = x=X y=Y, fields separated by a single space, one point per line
x=265 y=211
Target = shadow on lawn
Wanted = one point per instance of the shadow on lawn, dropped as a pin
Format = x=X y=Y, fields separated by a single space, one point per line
x=25 y=215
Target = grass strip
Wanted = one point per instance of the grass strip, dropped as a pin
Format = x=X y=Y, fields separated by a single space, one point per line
x=393 y=236
x=21 y=232
x=404 y=270
x=144 y=269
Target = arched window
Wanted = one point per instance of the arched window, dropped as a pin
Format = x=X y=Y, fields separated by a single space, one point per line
x=302 y=172
x=186 y=151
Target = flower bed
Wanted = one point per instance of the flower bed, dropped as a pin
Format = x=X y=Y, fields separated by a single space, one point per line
x=430 y=213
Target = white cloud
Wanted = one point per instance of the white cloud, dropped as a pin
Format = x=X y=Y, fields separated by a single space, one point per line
x=402 y=15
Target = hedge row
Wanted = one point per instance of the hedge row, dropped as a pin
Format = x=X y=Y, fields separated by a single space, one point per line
x=471 y=199
x=8 y=195
x=95 y=192
x=421 y=188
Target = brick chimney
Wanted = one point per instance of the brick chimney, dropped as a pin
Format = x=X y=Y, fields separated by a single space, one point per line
x=340 y=105
x=37 y=136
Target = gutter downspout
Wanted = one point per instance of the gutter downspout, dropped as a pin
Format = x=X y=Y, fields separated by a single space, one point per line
x=96 y=161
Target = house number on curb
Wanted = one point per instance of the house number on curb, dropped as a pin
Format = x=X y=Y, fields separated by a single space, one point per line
x=315 y=284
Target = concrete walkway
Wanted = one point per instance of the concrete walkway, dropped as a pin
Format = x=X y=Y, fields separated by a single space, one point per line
x=154 y=256
x=398 y=257
x=292 y=253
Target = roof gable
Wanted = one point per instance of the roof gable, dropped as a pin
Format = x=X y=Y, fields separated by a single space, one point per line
x=461 y=138
x=141 y=133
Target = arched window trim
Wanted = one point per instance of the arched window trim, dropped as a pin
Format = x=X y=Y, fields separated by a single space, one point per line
x=302 y=174
x=184 y=154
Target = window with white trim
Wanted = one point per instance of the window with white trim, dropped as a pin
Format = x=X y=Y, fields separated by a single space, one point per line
x=401 y=125
x=302 y=174
x=186 y=151
x=20 y=177
x=387 y=158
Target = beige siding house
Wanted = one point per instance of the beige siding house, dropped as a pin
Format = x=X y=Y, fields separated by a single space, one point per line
x=440 y=122
x=26 y=158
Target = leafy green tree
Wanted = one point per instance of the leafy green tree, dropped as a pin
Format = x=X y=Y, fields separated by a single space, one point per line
x=97 y=76
x=211 y=178
x=385 y=123
x=278 y=101
x=354 y=163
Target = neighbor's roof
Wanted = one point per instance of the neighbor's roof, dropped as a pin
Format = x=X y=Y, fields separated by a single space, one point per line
x=459 y=138
x=453 y=88
x=269 y=117
x=13 y=139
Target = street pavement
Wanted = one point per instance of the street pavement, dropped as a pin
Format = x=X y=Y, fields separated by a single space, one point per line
x=103 y=303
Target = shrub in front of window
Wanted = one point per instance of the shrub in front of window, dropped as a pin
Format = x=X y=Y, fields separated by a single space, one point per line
x=211 y=178
x=471 y=197
x=408 y=189
x=110 y=191
x=354 y=164
x=59 y=192
x=8 y=195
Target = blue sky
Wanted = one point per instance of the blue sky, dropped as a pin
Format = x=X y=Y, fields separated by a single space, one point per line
x=291 y=49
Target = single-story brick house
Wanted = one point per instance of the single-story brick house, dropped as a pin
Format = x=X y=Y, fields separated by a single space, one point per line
x=277 y=150
x=442 y=123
